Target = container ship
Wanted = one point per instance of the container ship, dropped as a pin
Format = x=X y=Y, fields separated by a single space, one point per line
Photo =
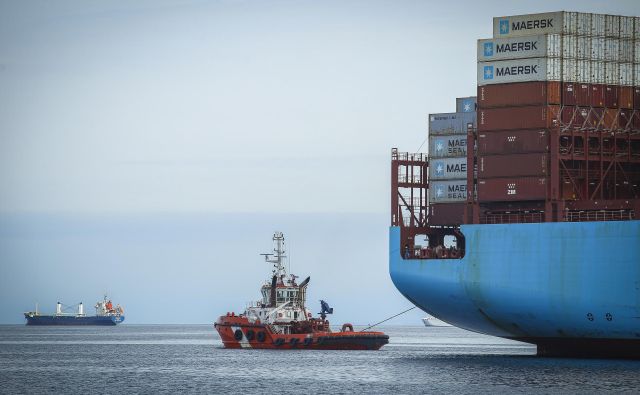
x=523 y=219
x=281 y=320
x=106 y=314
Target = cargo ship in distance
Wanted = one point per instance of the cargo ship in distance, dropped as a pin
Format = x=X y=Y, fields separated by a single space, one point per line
x=280 y=320
x=106 y=314
x=531 y=232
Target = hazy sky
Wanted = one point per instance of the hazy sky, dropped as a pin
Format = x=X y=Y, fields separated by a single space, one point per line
x=145 y=110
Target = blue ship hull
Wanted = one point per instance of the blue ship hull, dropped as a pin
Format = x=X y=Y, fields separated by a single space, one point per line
x=73 y=320
x=572 y=288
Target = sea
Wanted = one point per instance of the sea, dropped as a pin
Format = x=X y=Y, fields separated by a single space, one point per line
x=152 y=359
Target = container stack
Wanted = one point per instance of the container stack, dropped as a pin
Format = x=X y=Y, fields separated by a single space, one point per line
x=448 y=162
x=550 y=85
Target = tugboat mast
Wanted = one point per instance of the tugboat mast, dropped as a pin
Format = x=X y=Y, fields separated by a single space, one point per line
x=277 y=257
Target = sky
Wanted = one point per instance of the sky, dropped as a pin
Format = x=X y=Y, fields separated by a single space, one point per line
x=149 y=149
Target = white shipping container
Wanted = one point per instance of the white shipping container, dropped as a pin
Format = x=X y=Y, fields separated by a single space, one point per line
x=636 y=28
x=597 y=72
x=583 y=47
x=611 y=49
x=542 y=45
x=612 y=26
x=583 y=71
x=583 y=24
x=530 y=24
x=447 y=146
x=611 y=73
x=519 y=70
x=447 y=191
x=625 y=50
x=597 y=48
x=448 y=169
x=569 y=46
x=626 y=26
x=597 y=25
x=636 y=74
x=636 y=51
x=626 y=74
x=569 y=70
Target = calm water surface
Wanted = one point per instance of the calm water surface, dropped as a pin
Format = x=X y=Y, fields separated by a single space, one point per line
x=190 y=358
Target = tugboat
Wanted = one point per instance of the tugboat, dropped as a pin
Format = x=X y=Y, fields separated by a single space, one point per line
x=280 y=319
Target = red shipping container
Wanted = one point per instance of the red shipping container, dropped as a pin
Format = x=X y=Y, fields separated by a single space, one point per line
x=568 y=94
x=611 y=96
x=597 y=95
x=636 y=96
x=583 y=94
x=512 y=189
x=513 y=141
x=516 y=165
x=624 y=119
x=581 y=117
x=519 y=94
x=625 y=96
x=446 y=214
x=530 y=117
x=610 y=120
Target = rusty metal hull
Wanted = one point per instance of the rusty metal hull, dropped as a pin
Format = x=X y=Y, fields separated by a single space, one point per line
x=552 y=284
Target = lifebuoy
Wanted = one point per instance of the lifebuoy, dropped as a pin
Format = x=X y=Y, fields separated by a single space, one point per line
x=278 y=341
x=250 y=334
x=294 y=341
x=308 y=341
x=347 y=326
x=237 y=335
x=260 y=336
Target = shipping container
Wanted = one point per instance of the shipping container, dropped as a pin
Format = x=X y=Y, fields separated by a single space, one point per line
x=596 y=97
x=531 y=24
x=516 y=165
x=583 y=71
x=446 y=214
x=597 y=48
x=611 y=49
x=625 y=51
x=611 y=96
x=626 y=27
x=636 y=74
x=626 y=74
x=447 y=191
x=569 y=47
x=580 y=117
x=597 y=72
x=448 y=169
x=576 y=94
x=611 y=73
x=451 y=123
x=636 y=51
x=519 y=94
x=512 y=189
x=612 y=25
x=625 y=96
x=513 y=141
x=569 y=70
x=447 y=146
x=466 y=104
x=540 y=46
x=583 y=23
x=636 y=98
x=610 y=119
x=520 y=70
x=529 y=117
x=597 y=25
x=636 y=28
x=583 y=47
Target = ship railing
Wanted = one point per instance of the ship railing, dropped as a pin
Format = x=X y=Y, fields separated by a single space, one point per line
x=599 y=215
x=408 y=156
x=512 y=218
x=407 y=179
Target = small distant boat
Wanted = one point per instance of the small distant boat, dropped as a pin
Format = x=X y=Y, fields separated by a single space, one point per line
x=433 y=321
x=106 y=314
x=280 y=319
